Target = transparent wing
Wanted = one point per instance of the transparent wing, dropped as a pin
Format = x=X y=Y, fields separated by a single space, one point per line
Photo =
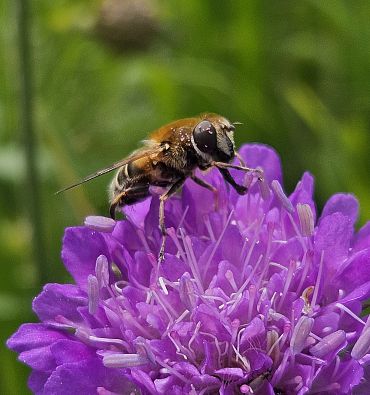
x=135 y=156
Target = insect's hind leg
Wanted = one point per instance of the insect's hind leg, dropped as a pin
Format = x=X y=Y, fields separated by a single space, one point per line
x=114 y=204
x=173 y=189
x=128 y=196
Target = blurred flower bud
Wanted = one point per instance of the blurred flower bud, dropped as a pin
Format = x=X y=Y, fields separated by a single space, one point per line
x=128 y=25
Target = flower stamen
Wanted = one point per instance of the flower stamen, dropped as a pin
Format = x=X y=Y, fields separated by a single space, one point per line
x=118 y=360
x=318 y=281
x=206 y=266
x=102 y=271
x=279 y=193
x=306 y=221
x=362 y=345
x=300 y=334
x=93 y=293
x=350 y=312
x=192 y=261
x=291 y=269
x=163 y=285
x=182 y=219
x=229 y=275
x=254 y=242
x=243 y=359
x=207 y=223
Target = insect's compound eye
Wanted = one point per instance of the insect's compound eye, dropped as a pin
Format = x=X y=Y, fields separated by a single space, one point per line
x=205 y=137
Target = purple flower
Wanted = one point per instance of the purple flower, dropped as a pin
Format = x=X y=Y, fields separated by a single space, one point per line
x=257 y=297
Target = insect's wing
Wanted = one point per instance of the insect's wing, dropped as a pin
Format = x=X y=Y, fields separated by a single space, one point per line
x=135 y=156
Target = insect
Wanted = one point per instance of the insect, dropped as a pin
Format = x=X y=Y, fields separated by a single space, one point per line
x=170 y=156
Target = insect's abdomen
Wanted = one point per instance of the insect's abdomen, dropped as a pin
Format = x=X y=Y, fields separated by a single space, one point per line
x=130 y=185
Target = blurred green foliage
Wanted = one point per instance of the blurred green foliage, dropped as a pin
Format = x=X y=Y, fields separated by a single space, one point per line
x=295 y=73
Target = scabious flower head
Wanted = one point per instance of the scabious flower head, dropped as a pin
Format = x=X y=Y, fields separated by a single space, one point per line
x=257 y=297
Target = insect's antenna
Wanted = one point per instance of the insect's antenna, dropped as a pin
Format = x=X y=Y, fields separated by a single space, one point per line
x=237 y=123
x=92 y=176
x=73 y=185
x=114 y=166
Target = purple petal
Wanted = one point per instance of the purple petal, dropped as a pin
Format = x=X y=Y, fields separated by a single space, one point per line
x=363 y=387
x=164 y=348
x=303 y=192
x=37 y=381
x=205 y=380
x=32 y=342
x=259 y=155
x=343 y=203
x=290 y=251
x=254 y=329
x=263 y=387
x=341 y=376
x=39 y=358
x=172 y=268
x=333 y=236
x=31 y=336
x=59 y=299
x=85 y=377
x=232 y=238
x=186 y=369
x=81 y=247
x=361 y=293
x=67 y=351
x=259 y=361
x=127 y=234
x=200 y=202
x=165 y=385
x=356 y=270
x=143 y=381
x=211 y=323
x=362 y=239
x=140 y=268
x=210 y=362
x=138 y=212
x=325 y=323
x=302 y=195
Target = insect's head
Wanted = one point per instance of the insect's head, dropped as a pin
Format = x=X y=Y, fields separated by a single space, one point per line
x=213 y=138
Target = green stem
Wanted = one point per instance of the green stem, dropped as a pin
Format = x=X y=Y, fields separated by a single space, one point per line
x=31 y=192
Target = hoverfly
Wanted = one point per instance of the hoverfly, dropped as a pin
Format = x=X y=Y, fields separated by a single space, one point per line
x=170 y=156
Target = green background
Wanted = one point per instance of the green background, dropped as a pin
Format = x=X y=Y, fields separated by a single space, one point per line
x=296 y=73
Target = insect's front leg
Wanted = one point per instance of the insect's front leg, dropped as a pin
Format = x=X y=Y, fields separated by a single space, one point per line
x=240 y=189
x=223 y=165
x=173 y=189
x=240 y=159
